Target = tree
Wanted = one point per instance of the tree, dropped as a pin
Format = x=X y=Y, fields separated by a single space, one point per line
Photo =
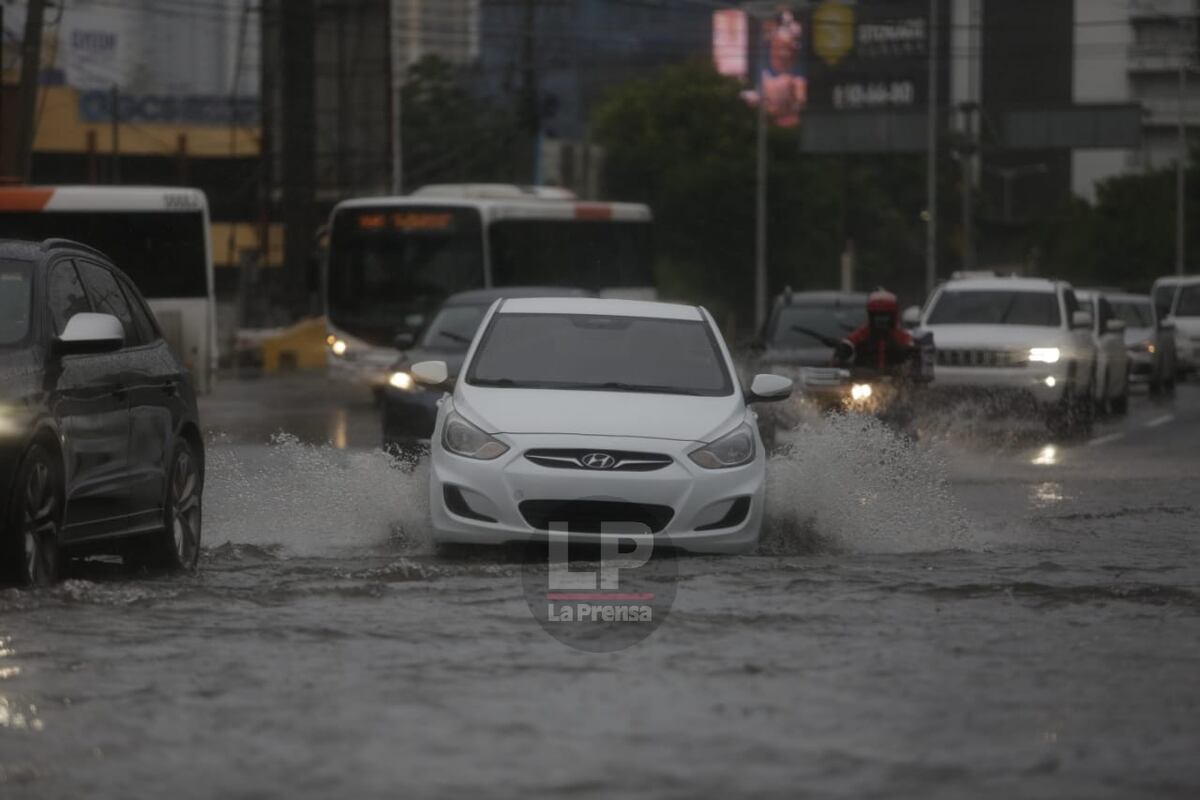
x=450 y=133
x=683 y=141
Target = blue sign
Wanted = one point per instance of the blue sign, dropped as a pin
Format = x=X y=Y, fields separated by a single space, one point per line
x=95 y=106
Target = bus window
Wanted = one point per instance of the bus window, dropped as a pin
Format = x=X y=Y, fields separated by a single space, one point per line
x=387 y=264
x=163 y=252
x=591 y=255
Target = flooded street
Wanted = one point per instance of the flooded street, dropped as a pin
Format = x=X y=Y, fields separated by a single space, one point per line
x=983 y=614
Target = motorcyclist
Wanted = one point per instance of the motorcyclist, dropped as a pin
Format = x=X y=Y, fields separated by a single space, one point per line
x=880 y=344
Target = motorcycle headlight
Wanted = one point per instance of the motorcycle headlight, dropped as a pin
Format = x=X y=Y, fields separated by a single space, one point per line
x=464 y=439
x=339 y=347
x=401 y=380
x=1045 y=355
x=732 y=450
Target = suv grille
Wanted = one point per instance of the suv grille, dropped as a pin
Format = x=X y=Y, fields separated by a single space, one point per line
x=599 y=460
x=587 y=516
x=981 y=358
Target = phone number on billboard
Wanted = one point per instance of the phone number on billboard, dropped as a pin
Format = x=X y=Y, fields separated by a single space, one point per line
x=868 y=95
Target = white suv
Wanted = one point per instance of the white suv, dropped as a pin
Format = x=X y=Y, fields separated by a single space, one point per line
x=1177 y=302
x=1023 y=339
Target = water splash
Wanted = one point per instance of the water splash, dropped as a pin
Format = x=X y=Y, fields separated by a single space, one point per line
x=311 y=499
x=850 y=483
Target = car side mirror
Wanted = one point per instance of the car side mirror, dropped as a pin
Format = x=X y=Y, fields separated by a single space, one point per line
x=767 y=388
x=1115 y=326
x=90 y=333
x=911 y=317
x=430 y=373
x=404 y=340
x=1081 y=319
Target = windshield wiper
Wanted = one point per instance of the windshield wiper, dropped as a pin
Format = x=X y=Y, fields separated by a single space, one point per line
x=637 y=387
x=507 y=382
x=455 y=337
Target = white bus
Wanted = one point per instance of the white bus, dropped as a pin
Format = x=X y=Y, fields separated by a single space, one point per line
x=158 y=236
x=391 y=261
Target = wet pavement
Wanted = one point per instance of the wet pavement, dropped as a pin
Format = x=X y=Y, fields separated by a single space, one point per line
x=983 y=614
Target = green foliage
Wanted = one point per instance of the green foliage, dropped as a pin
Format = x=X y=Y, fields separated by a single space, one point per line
x=449 y=133
x=1127 y=238
x=683 y=141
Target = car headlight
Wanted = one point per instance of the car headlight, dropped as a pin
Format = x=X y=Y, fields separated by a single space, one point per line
x=339 y=347
x=732 y=450
x=464 y=439
x=1146 y=346
x=860 y=391
x=401 y=380
x=1045 y=355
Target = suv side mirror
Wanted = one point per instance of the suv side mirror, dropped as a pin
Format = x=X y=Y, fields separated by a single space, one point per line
x=1081 y=319
x=90 y=333
x=911 y=317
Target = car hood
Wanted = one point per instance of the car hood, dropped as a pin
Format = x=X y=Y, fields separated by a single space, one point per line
x=652 y=416
x=797 y=357
x=1135 y=336
x=994 y=337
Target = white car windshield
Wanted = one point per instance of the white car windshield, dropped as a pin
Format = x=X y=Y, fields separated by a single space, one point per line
x=15 y=287
x=993 y=307
x=605 y=353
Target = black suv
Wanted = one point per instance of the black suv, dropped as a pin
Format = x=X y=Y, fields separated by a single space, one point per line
x=100 y=447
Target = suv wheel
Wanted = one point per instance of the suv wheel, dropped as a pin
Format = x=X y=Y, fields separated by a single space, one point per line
x=35 y=521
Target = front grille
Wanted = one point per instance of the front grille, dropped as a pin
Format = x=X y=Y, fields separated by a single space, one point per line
x=961 y=357
x=587 y=516
x=617 y=460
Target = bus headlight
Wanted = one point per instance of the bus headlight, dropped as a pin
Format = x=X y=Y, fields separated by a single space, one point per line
x=1044 y=355
x=401 y=380
x=338 y=347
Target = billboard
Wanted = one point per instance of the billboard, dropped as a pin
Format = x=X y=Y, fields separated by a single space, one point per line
x=869 y=56
x=767 y=50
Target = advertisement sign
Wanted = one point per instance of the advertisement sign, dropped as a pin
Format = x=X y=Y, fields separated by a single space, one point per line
x=869 y=56
x=767 y=51
x=730 y=43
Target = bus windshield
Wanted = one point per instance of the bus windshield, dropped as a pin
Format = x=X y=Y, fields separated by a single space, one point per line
x=388 y=265
x=162 y=252
x=601 y=254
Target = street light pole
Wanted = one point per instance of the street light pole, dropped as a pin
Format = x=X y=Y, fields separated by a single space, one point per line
x=1182 y=156
x=931 y=200
x=760 y=215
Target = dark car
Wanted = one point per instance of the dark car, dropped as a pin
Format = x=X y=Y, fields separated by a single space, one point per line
x=100 y=447
x=409 y=409
x=804 y=327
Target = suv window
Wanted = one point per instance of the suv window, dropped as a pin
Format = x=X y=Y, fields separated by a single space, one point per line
x=147 y=327
x=107 y=298
x=66 y=297
x=1189 y=302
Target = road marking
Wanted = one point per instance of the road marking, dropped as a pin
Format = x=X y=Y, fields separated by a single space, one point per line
x=1163 y=420
x=1099 y=440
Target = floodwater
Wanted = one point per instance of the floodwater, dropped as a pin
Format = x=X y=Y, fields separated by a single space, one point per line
x=982 y=614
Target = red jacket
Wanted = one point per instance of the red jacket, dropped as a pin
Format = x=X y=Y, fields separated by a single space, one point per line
x=880 y=351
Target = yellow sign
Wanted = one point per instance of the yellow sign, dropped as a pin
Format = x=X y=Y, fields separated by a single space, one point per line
x=833 y=32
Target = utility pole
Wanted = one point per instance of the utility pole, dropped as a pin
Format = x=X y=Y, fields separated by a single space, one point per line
x=760 y=213
x=297 y=26
x=31 y=65
x=530 y=111
x=931 y=200
x=1181 y=159
x=115 y=101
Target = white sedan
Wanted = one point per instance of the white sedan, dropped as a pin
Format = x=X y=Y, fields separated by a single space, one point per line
x=598 y=417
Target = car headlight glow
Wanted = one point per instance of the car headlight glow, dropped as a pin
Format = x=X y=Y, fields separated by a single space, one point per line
x=338 y=347
x=464 y=439
x=401 y=380
x=860 y=392
x=1045 y=355
x=732 y=450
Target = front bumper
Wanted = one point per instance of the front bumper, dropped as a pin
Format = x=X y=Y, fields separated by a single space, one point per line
x=698 y=498
x=1030 y=381
x=409 y=415
x=361 y=371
